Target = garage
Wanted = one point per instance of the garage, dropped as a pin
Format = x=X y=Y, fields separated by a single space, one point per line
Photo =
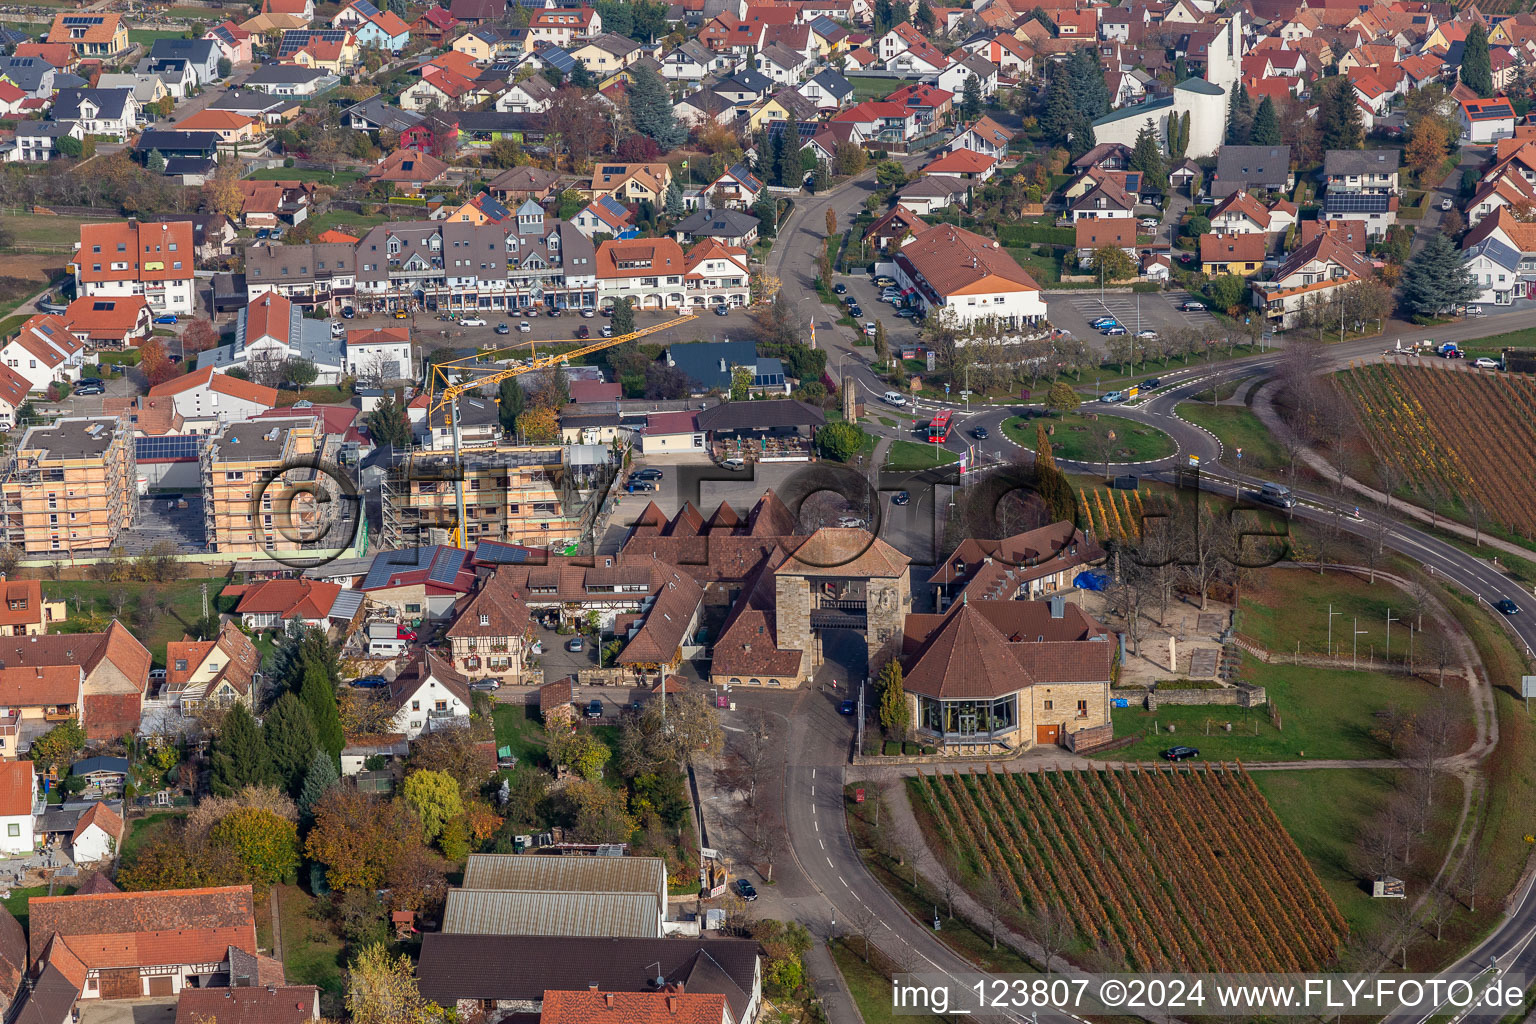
x=121 y=983
x=1047 y=734
x=162 y=985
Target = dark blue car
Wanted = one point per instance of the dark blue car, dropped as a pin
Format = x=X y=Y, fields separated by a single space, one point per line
x=370 y=682
x=848 y=707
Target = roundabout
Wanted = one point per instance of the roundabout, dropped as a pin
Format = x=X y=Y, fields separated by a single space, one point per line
x=1092 y=438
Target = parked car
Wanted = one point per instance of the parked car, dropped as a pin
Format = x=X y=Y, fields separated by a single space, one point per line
x=552 y=311
x=851 y=522
x=734 y=465
x=1191 y=306
x=576 y=644
x=908 y=314
x=401 y=314
x=745 y=890
x=856 y=311
x=583 y=332
x=503 y=329
x=166 y=318
x=589 y=313
x=869 y=329
x=1103 y=322
x=408 y=635
x=82 y=388
x=594 y=709
x=606 y=331
x=639 y=486
x=472 y=321
x=1446 y=204
x=722 y=311
x=884 y=279
x=648 y=473
x=1146 y=335
x=485 y=685
x=1484 y=363
x=1180 y=753
x=1508 y=607
x=1114 y=332
x=1150 y=223
x=347 y=312
x=370 y=683
x=848 y=707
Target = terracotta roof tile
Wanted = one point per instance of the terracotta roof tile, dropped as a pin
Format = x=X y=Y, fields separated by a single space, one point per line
x=132 y=929
x=589 y=1007
x=17 y=788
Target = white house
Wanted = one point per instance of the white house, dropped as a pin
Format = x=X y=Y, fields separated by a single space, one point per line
x=960 y=274
x=44 y=351
x=110 y=112
x=428 y=695
x=18 y=795
x=205 y=399
x=379 y=354
x=716 y=274
x=1495 y=267
x=671 y=432
x=1486 y=121
x=98 y=835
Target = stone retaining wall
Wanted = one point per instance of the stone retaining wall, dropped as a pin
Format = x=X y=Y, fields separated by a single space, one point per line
x=1242 y=695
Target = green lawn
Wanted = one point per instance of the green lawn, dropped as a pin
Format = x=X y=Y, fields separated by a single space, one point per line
x=1324 y=714
x=518 y=727
x=1237 y=428
x=148 y=36
x=874 y=88
x=1283 y=606
x=312 y=953
x=347 y=221
x=142 y=830
x=909 y=455
x=304 y=174
x=1044 y=269
x=1494 y=346
x=12 y=324
x=17 y=901
x=1082 y=440
x=319 y=395
x=870 y=989
x=36 y=228
x=185 y=607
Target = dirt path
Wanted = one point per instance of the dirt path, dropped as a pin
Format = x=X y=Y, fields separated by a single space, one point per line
x=277 y=927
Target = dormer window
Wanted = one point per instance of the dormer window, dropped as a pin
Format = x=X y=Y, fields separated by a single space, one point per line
x=485 y=619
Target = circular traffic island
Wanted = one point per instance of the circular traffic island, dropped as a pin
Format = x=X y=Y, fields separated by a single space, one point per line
x=1093 y=438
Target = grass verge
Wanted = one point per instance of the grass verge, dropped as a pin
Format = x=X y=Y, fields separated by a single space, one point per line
x=910 y=455
x=312 y=953
x=1080 y=439
x=1238 y=429
x=1283 y=606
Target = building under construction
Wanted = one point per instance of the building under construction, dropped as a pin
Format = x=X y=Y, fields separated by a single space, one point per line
x=70 y=487
x=276 y=485
x=533 y=495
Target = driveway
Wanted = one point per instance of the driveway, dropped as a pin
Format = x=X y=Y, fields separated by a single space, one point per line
x=156 y=1010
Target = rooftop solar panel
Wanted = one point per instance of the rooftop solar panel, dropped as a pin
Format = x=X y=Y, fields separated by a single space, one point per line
x=169 y=446
x=1354 y=203
x=388 y=563
x=366 y=9
x=446 y=565
x=501 y=554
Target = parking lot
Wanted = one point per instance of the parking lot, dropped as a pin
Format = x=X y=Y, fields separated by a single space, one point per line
x=899 y=333
x=1154 y=311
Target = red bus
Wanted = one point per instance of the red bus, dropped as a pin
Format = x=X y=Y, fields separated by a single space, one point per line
x=938 y=428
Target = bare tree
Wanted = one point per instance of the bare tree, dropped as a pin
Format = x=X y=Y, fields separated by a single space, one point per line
x=1440 y=907
x=1438 y=651
x=948 y=887
x=864 y=923
x=1206 y=548
x=1051 y=928
x=1469 y=880
x=1403 y=929
x=991 y=893
x=119 y=599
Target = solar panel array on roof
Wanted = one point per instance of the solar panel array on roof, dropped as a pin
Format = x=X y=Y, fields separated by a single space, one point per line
x=1349 y=202
x=169 y=446
x=500 y=554
x=1493 y=110
x=446 y=565
x=296 y=39
x=388 y=563
x=346 y=604
x=83 y=19
x=365 y=8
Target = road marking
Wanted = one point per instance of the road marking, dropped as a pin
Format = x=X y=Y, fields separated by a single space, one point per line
x=816 y=825
x=813 y=791
x=813 y=773
x=822 y=844
x=845 y=886
x=830 y=864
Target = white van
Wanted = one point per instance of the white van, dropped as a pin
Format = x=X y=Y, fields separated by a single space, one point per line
x=895 y=398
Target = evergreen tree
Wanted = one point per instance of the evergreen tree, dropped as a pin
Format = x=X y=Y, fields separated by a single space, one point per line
x=1476 y=66
x=581 y=78
x=289 y=734
x=239 y=754
x=1266 y=125
x=1238 y=120
x=650 y=109
x=674 y=205
x=156 y=162
x=1435 y=279
x=1339 y=117
x=924 y=18
x=1045 y=455
x=894 y=713
x=1147 y=156
x=779 y=160
x=513 y=401
x=318 y=694
x=1180 y=70
x=970 y=99
x=1060 y=116
x=1082 y=140
x=1089 y=90
x=885 y=17
x=623 y=321
x=318 y=780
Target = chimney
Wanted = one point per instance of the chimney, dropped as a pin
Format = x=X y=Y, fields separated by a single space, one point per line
x=1058 y=606
x=608 y=999
x=672 y=1002
x=592 y=986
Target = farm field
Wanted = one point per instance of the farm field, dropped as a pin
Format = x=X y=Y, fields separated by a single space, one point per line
x=1158 y=869
x=1435 y=426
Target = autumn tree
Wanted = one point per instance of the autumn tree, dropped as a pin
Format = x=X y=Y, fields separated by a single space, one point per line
x=357 y=837
x=222 y=192
x=595 y=812
x=154 y=361
x=1426 y=144
x=54 y=749
x=434 y=796
x=381 y=989
x=266 y=846
x=582 y=752
x=895 y=716
x=1113 y=263
x=199 y=335
x=457 y=753
x=538 y=425
x=1061 y=398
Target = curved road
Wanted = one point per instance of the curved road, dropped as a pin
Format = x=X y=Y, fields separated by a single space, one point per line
x=817 y=835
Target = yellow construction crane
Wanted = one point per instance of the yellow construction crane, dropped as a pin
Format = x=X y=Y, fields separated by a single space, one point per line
x=472 y=377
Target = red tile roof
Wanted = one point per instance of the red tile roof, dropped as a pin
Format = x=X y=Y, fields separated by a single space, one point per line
x=31 y=686
x=147 y=251
x=221 y=383
x=289 y=1004
x=17 y=788
x=590 y=1007
x=146 y=929
x=102 y=816
x=291 y=599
